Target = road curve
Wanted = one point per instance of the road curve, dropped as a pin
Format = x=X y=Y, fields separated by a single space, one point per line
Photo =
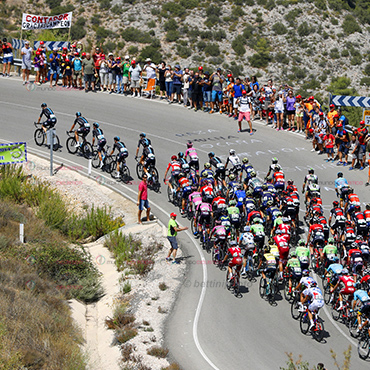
x=208 y=328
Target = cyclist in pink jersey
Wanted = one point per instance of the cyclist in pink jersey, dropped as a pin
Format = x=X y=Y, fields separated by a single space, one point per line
x=193 y=157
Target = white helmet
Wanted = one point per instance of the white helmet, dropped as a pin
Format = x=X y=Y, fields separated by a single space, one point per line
x=232 y=151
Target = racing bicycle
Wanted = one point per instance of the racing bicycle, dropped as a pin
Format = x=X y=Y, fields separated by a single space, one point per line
x=85 y=148
x=40 y=137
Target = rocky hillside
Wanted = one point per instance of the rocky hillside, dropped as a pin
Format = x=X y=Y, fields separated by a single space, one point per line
x=303 y=43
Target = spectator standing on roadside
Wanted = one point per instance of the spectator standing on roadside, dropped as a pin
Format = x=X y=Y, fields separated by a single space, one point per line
x=150 y=70
x=290 y=109
x=172 y=230
x=161 y=69
x=77 y=71
x=245 y=107
x=142 y=198
x=279 y=111
x=43 y=67
x=54 y=61
x=256 y=103
x=196 y=86
x=344 y=144
x=217 y=79
x=111 y=74
x=332 y=112
x=7 y=56
x=96 y=58
x=103 y=72
x=36 y=64
x=207 y=92
x=269 y=93
x=26 y=53
x=299 y=107
x=177 y=76
x=117 y=71
x=135 y=74
x=329 y=141
x=238 y=88
x=186 y=86
x=362 y=133
x=125 y=74
x=169 y=82
x=88 y=71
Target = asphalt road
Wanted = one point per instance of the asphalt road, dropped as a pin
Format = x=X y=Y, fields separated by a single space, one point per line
x=209 y=328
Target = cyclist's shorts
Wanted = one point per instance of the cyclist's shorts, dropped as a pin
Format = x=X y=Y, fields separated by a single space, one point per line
x=283 y=252
x=50 y=122
x=270 y=272
x=357 y=268
x=186 y=191
x=205 y=219
x=365 y=309
x=316 y=305
x=237 y=262
x=101 y=144
x=83 y=131
x=347 y=291
x=220 y=174
x=195 y=164
x=149 y=162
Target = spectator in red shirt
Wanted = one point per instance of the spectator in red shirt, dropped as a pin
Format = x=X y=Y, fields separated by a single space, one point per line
x=142 y=199
x=329 y=141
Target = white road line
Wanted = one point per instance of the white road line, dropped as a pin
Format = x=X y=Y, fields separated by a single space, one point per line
x=204 y=265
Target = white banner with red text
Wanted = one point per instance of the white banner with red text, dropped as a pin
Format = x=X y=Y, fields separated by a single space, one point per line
x=39 y=22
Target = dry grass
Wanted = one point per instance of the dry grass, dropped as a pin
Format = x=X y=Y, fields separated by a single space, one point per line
x=163 y=286
x=173 y=366
x=157 y=351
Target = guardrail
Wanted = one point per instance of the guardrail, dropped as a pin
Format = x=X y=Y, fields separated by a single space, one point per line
x=17 y=64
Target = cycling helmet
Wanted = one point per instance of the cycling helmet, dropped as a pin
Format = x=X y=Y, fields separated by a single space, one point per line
x=348 y=222
x=269 y=203
x=274 y=160
x=345 y=271
x=218 y=222
x=253 y=174
x=331 y=240
x=368 y=206
x=290 y=182
x=340 y=174
x=301 y=242
x=257 y=221
x=245 y=160
x=335 y=203
x=311 y=171
x=232 y=177
x=269 y=178
x=293 y=254
x=233 y=242
x=313 y=284
x=116 y=138
x=232 y=151
x=173 y=158
x=190 y=144
x=43 y=105
x=211 y=154
x=96 y=124
x=204 y=174
x=264 y=187
x=286 y=220
x=142 y=134
x=247 y=229
x=78 y=114
x=267 y=249
x=305 y=272
x=277 y=167
x=180 y=154
x=350 y=190
x=232 y=202
x=249 y=193
x=207 y=165
x=181 y=174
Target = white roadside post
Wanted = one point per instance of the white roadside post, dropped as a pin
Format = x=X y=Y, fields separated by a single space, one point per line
x=21 y=233
x=89 y=167
x=50 y=138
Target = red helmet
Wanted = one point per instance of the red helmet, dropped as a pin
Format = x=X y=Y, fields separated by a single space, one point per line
x=244 y=92
x=229 y=75
x=74 y=45
x=173 y=158
x=339 y=125
x=41 y=42
x=65 y=48
x=37 y=52
x=83 y=54
x=76 y=54
x=133 y=61
x=311 y=98
x=336 y=116
x=200 y=68
x=332 y=106
x=118 y=58
x=64 y=55
x=103 y=55
x=362 y=122
x=321 y=113
x=299 y=96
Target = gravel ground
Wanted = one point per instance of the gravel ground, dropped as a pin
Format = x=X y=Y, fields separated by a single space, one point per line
x=149 y=303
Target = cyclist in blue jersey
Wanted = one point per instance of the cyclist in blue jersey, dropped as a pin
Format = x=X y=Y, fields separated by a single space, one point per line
x=122 y=152
x=83 y=130
x=98 y=134
x=51 y=120
x=341 y=187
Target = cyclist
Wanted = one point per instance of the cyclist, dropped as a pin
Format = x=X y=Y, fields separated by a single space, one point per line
x=175 y=167
x=248 y=168
x=309 y=179
x=83 y=130
x=233 y=186
x=354 y=261
x=220 y=170
x=247 y=244
x=352 y=201
x=303 y=254
x=207 y=191
x=234 y=215
x=193 y=157
x=195 y=198
x=225 y=221
x=258 y=232
x=316 y=299
x=268 y=263
x=365 y=312
x=145 y=143
x=234 y=254
x=283 y=245
x=218 y=205
x=98 y=134
x=316 y=236
x=360 y=297
x=266 y=197
x=184 y=165
x=274 y=166
x=122 y=152
x=360 y=222
x=185 y=188
x=203 y=216
x=335 y=269
x=207 y=172
x=293 y=267
x=255 y=185
x=340 y=219
x=234 y=160
x=367 y=215
x=329 y=254
x=306 y=281
x=51 y=120
x=278 y=180
x=219 y=232
x=349 y=235
x=341 y=187
x=347 y=285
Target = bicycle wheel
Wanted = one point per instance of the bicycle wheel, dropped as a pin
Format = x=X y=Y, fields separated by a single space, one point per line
x=125 y=173
x=113 y=169
x=87 y=150
x=236 y=286
x=353 y=326
x=139 y=170
x=287 y=296
x=294 y=309
x=155 y=175
x=335 y=313
x=318 y=331
x=71 y=145
x=215 y=255
x=95 y=159
x=363 y=347
x=107 y=163
x=39 y=136
x=56 y=143
x=228 y=282
x=262 y=288
x=304 y=323
x=170 y=195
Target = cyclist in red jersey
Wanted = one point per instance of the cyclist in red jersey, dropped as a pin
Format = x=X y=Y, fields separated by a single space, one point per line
x=316 y=231
x=282 y=242
x=185 y=188
x=175 y=167
x=347 y=285
x=234 y=254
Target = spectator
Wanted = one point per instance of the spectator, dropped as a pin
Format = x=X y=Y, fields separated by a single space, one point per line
x=169 y=81
x=217 y=80
x=329 y=141
x=36 y=64
x=161 y=79
x=279 y=111
x=111 y=85
x=103 y=72
x=196 y=85
x=247 y=84
x=77 y=71
x=96 y=58
x=142 y=199
x=238 y=88
x=54 y=60
x=135 y=74
x=186 y=84
x=254 y=82
x=230 y=92
x=173 y=229
x=355 y=152
x=245 y=107
x=26 y=53
x=7 y=56
x=117 y=72
x=88 y=72
x=290 y=109
x=190 y=92
x=177 y=76
x=150 y=70
x=362 y=133
x=207 y=92
x=331 y=115
x=256 y=102
x=299 y=108
x=268 y=93
x=66 y=70
x=43 y=67
x=125 y=74
x=344 y=144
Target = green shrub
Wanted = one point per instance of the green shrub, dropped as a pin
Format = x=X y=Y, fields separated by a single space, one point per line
x=367 y=69
x=334 y=53
x=281 y=58
x=261 y=2
x=77 y=32
x=334 y=21
x=157 y=351
x=279 y=28
x=260 y=60
x=189 y=4
x=105 y=4
x=212 y=49
x=350 y=25
x=95 y=20
x=206 y=35
x=102 y=33
x=304 y=29
x=248 y=31
x=345 y=53
x=291 y=16
x=172 y=36
x=173 y=8
x=320 y=4
x=237 y=12
x=219 y=35
x=117 y=9
x=132 y=50
x=201 y=45
x=133 y=34
x=270 y=5
x=170 y=25
x=183 y=51
x=152 y=52
x=238 y=45
x=356 y=60
x=299 y=73
x=212 y=20
x=151 y=24
x=365 y=81
x=335 y=5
